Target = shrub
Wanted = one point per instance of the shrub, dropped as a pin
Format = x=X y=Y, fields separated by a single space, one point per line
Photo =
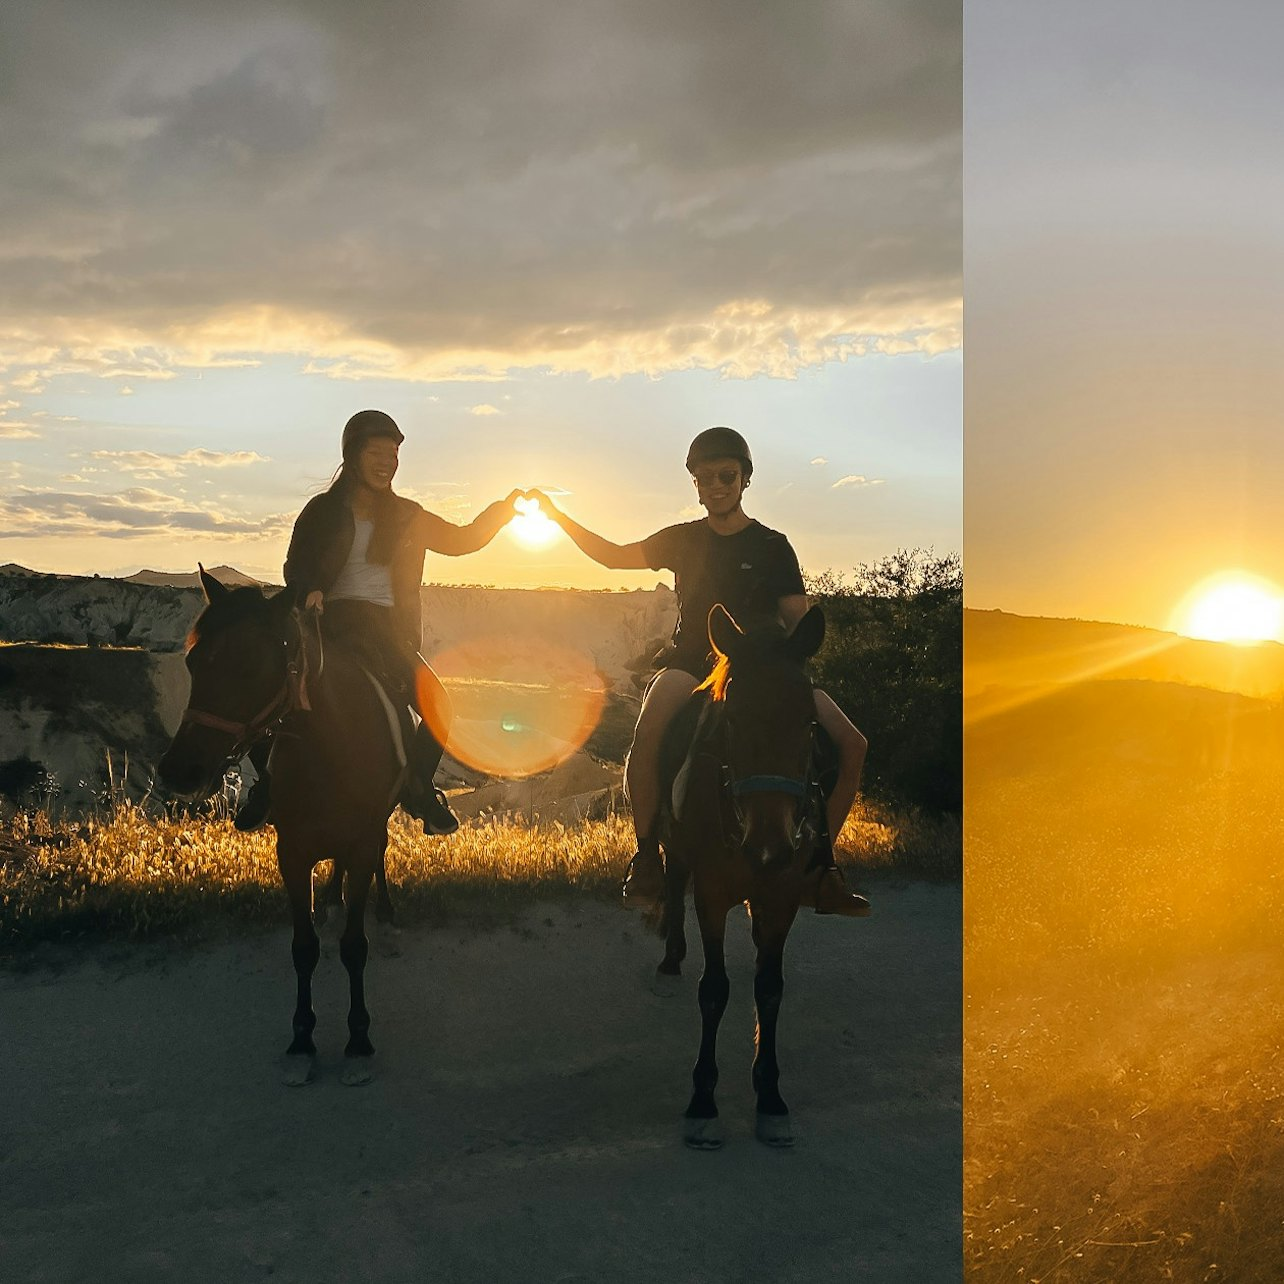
x=893 y=661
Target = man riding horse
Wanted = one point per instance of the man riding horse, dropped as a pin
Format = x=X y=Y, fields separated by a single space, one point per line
x=726 y=557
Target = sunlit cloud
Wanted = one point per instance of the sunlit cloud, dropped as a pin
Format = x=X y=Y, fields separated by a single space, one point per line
x=484 y=409
x=162 y=465
x=820 y=459
x=854 y=481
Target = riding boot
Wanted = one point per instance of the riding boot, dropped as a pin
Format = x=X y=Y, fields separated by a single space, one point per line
x=826 y=891
x=644 y=879
x=824 y=888
x=254 y=811
x=420 y=797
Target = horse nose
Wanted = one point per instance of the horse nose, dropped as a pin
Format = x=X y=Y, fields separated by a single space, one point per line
x=774 y=855
x=768 y=849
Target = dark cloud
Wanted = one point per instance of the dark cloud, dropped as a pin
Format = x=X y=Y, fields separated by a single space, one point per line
x=576 y=184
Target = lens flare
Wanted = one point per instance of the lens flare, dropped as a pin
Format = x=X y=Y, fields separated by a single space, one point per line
x=1234 y=606
x=532 y=527
x=521 y=705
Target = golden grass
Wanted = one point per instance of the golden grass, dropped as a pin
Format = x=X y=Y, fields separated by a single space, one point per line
x=134 y=875
x=1124 y=1028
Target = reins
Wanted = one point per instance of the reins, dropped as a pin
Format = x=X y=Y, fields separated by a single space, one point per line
x=293 y=694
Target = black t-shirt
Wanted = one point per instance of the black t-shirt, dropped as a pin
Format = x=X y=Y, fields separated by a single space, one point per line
x=748 y=572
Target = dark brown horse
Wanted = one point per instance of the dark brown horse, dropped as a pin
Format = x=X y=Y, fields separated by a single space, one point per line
x=335 y=779
x=749 y=825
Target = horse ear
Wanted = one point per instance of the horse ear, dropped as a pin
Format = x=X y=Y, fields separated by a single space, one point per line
x=285 y=601
x=724 y=632
x=213 y=589
x=807 y=636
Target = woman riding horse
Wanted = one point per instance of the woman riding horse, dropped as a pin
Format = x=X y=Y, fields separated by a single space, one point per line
x=357 y=557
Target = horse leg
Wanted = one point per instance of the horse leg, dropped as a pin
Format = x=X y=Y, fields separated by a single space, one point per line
x=354 y=949
x=384 y=912
x=701 y=1129
x=331 y=895
x=386 y=931
x=770 y=928
x=668 y=974
x=300 y=1056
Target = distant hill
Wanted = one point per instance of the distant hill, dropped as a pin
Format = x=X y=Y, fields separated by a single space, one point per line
x=1000 y=649
x=70 y=691
x=1082 y=698
x=227 y=575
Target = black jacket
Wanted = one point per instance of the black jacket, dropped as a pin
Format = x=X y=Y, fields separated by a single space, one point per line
x=322 y=540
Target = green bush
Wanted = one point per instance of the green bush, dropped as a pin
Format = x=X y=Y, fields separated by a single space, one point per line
x=893 y=661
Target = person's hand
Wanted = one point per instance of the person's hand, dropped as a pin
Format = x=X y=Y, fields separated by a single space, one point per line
x=503 y=510
x=546 y=505
x=315 y=602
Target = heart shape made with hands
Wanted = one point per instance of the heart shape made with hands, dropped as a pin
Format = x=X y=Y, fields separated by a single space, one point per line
x=532 y=526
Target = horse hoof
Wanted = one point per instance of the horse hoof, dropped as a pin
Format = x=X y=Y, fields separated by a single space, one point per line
x=665 y=985
x=297 y=1069
x=775 y=1131
x=702 y=1134
x=356 y=1072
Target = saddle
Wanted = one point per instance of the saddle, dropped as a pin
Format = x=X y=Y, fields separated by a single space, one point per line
x=306 y=664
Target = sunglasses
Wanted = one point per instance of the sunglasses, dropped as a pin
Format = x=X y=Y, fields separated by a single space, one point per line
x=723 y=477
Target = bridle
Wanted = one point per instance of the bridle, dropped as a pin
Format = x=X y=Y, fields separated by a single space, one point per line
x=797 y=788
x=291 y=695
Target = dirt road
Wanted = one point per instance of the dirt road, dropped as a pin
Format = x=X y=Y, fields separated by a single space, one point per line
x=523 y=1124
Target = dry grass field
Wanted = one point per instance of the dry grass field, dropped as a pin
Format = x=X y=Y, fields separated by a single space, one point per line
x=1124 y=1020
x=133 y=875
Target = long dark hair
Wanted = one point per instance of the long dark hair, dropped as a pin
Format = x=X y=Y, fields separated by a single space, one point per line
x=383 y=540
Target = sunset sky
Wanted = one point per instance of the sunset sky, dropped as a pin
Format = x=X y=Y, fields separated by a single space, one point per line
x=553 y=241
x=1124 y=258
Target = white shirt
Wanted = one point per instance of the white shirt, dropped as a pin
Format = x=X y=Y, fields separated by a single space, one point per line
x=360 y=580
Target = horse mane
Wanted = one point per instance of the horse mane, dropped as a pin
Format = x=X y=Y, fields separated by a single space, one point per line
x=763 y=643
x=716 y=683
x=235 y=605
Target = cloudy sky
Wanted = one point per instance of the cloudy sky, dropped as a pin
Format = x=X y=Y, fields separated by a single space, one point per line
x=553 y=241
x=1124 y=256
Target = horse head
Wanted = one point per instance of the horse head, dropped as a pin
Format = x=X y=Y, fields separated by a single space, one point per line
x=768 y=720
x=237 y=653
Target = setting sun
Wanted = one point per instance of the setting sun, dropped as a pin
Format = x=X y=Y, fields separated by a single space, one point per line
x=1235 y=606
x=532 y=526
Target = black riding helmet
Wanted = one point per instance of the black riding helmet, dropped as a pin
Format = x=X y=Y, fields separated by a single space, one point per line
x=720 y=443
x=363 y=427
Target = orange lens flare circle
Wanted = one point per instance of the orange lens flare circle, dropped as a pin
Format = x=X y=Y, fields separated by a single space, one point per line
x=521 y=705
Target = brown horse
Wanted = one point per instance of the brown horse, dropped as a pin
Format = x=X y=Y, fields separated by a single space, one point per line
x=749 y=827
x=335 y=779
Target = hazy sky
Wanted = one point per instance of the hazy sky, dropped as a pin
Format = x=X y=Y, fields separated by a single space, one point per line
x=1124 y=257
x=554 y=241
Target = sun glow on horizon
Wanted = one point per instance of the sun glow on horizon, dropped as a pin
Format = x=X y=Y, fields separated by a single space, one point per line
x=1235 y=606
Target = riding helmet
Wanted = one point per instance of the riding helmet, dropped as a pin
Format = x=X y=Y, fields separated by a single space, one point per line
x=363 y=426
x=720 y=443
